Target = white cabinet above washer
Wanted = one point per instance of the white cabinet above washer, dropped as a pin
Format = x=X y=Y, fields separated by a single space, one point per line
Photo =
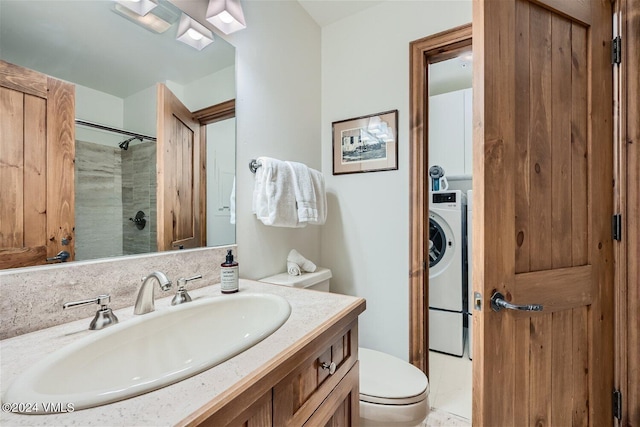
x=450 y=132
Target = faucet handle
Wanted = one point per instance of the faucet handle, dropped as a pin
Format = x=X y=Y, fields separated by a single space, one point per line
x=102 y=300
x=182 y=281
x=182 y=296
x=104 y=316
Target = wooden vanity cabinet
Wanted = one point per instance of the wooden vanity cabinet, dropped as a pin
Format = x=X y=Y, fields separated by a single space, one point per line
x=302 y=389
x=301 y=393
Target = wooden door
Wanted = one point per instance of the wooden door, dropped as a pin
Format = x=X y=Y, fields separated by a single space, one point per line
x=180 y=169
x=542 y=229
x=37 y=152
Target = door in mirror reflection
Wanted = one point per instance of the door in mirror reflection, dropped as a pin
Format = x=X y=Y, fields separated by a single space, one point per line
x=36 y=168
x=180 y=168
x=221 y=165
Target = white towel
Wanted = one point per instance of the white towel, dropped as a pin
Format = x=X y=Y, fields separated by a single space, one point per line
x=297 y=258
x=273 y=195
x=304 y=192
x=311 y=198
x=293 y=269
x=317 y=179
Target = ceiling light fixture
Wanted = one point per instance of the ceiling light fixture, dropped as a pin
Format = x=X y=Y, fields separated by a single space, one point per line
x=149 y=21
x=226 y=15
x=141 y=7
x=193 y=33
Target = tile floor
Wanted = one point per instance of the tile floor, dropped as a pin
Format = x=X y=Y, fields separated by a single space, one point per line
x=450 y=382
x=439 y=418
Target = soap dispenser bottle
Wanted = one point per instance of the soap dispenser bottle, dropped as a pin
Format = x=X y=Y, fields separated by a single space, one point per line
x=229 y=275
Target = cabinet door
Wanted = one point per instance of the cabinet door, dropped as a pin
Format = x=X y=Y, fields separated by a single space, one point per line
x=446 y=132
x=300 y=393
x=258 y=414
x=342 y=406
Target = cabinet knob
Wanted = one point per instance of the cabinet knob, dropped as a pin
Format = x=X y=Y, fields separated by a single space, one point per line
x=330 y=366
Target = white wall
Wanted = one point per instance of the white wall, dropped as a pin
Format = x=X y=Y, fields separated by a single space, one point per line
x=365 y=70
x=220 y=87
x=278 y=111
x=140 y=112
x=98 y=107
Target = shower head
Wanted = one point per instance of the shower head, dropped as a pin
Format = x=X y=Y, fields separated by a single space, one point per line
x=124 y=145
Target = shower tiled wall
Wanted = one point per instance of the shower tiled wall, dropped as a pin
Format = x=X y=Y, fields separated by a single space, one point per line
x=98 y=210
x=112 y=185
x=139 y=194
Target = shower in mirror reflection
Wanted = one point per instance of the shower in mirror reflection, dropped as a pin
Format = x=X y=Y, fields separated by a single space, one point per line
x=124 y=145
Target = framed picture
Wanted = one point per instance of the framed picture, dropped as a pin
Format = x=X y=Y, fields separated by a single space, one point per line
x=366 y=144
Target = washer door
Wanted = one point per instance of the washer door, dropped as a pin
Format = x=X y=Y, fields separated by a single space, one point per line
x=445 y=268
x=437 y=243
x=441 y=244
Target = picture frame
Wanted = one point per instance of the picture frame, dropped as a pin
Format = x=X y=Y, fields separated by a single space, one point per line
x=366 y=144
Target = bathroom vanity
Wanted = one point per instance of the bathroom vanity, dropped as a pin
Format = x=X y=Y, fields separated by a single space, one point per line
x=306 y=372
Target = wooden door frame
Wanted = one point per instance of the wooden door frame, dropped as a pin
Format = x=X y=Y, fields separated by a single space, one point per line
x=627 y=203
x=440 y=46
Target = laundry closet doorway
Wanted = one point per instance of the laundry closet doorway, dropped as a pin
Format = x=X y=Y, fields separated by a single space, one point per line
x=441 y=141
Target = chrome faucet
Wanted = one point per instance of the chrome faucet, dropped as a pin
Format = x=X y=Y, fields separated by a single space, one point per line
x=145 y=302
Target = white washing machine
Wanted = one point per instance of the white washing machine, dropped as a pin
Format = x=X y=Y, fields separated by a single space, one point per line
x=447 y=216
x=470 y=270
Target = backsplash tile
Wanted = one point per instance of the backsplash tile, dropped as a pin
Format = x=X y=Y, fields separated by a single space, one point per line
x=32 y=298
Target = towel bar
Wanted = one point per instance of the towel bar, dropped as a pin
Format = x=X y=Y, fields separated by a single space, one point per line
x=254 y=165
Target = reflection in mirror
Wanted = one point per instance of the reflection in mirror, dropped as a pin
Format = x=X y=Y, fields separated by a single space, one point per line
x=221 y=183
x=115 y=64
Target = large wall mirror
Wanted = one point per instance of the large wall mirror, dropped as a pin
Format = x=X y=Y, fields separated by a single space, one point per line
x=116 y=62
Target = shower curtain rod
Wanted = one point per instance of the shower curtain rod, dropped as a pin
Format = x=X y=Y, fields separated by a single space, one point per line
x=110 y=129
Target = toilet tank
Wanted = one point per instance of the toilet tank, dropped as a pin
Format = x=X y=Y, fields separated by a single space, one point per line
x=318 y=280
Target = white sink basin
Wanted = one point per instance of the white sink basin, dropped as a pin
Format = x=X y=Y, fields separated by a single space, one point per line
x=149 y=352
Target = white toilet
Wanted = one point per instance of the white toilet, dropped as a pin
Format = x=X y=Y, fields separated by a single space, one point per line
x=393 y=393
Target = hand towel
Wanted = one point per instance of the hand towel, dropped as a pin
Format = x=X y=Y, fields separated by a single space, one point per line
x=317 y=180
x=273 y=195
x=304 y=192
x=305 y=264
x=293 y=269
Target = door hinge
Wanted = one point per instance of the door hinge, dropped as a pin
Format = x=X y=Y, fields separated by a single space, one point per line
x=616 y=50
x=617 y=404
x=616 y=227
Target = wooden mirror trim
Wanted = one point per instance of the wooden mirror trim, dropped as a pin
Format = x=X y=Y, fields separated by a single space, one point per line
x=428 y=50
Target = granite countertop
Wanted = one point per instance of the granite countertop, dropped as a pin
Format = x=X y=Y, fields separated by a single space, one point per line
x=311 y=313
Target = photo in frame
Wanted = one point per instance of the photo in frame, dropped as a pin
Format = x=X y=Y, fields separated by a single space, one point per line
x=366 y=144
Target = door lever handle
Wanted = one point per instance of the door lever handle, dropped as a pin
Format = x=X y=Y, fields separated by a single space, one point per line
x=62 y=256
x=498 y=303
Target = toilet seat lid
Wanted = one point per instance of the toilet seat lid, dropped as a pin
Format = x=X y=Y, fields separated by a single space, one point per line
x=390 y=380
